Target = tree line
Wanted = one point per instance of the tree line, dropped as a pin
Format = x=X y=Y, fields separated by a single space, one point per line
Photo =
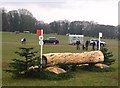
x=23 y=20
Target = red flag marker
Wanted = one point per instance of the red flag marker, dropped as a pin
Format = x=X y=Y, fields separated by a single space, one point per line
x=39 y=32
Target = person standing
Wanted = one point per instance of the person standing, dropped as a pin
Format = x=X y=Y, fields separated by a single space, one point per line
x=93 y=46
x=83 y=47
x=86 y=44
x=77 y=44
x=23 y=40
x=97 y=45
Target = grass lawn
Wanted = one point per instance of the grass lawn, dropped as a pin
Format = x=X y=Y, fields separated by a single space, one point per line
x=11 y=42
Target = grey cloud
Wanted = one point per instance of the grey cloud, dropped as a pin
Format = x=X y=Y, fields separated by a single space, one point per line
x=119 y=13
x=45 y=4
x=32 y=0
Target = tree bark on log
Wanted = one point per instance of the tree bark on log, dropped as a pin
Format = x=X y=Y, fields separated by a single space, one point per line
x=53 y=59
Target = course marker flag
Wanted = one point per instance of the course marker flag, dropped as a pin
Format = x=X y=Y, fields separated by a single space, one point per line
x=39 y=32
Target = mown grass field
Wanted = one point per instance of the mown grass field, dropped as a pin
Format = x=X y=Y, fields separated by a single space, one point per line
x=11 y=42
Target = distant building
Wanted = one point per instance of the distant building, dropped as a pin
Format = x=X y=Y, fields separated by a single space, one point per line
x=74 y=38
x=17 y=32
x=26 y=31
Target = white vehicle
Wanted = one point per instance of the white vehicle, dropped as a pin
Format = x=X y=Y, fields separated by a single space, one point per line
x=102 y=43
x=74 y=38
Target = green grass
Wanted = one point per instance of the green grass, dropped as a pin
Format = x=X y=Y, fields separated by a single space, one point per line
x=11 y=42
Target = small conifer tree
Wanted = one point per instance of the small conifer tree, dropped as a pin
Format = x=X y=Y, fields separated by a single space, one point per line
x=21 y=66
x=108 y=60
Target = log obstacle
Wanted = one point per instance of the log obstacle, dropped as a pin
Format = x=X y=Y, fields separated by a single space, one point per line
x=52 y=59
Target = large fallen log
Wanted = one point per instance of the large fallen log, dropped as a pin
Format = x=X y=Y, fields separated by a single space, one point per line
x=52 y=59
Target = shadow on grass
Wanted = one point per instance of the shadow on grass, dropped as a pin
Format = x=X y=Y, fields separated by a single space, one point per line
x=42 y=75
x=46 y=75
x=96 y=69
x=90 y=68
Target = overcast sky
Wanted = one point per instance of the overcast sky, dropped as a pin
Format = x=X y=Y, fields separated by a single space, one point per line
x=100 y=11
